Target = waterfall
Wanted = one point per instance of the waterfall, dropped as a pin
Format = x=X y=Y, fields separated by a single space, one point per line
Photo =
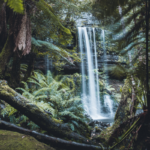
x=90 y=79
x=47 y=64
x=90 y=89
x=92 y=92
x=96 y=67
x=107 y=100
x=80 y=33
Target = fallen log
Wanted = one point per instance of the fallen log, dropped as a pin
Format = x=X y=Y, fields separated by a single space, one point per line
x=53 y=141
x=42 y=119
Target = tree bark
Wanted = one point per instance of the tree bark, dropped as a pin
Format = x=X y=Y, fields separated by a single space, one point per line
x=133 y=88
x=30 y=66
x=5 y=55
x=57 y=142
x=147 y=51
x=42 y=119
x=1 y=3
x=15 y=72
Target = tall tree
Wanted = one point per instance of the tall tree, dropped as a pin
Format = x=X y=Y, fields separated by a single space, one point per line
x=15 y=28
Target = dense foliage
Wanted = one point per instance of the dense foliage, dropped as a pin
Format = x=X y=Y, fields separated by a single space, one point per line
x=33 y=29
x=53 y=97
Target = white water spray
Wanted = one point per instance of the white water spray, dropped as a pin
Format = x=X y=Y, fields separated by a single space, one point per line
x=107 y=100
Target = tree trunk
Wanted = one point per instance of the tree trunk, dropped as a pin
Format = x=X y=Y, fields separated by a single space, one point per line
x=1 y=3
x=42 y=119
x=30 y=66
x=5 y=55
x=57 y=142
x=133 y=89
x=147 y=51
x=14 y=81
x=3 y=26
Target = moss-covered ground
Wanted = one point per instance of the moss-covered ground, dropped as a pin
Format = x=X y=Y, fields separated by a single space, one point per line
x=15 y=141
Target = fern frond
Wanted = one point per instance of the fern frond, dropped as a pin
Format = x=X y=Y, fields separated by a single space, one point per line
x=25 y=85
x=23 y=67
x=47 y=10
x=71 y=126
x=16 y=5
x=44 y=106
x=41 y=97
x=26 y=93
x=8 y=110
x=49 y=77
x=40 y=91
x=118 y=71
x=75 y=123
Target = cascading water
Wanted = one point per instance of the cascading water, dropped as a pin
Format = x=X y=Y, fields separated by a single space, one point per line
x=89 y=68
x=90 y=95
x=92 y=90
x=107 y=100
x=47 y=63
x=83 y=71
x=96 y=67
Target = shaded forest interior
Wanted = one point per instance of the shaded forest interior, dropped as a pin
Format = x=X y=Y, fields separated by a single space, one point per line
x=74 y=74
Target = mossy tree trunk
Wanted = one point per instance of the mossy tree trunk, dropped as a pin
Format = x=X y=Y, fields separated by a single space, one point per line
x=123 y=111
x=56 y=142
x=5 y=55
x=41 y=118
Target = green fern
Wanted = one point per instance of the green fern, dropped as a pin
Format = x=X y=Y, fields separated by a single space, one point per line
x=16 y=5
x=55 y=98
x=51 y=47
x=48 y=12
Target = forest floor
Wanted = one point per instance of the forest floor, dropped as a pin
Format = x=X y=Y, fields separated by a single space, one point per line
x=10 y=140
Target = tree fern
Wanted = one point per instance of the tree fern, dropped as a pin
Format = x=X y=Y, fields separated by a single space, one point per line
x=16 y=5
x=49 y=46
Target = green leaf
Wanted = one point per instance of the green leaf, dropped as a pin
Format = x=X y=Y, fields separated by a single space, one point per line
x=16 y=5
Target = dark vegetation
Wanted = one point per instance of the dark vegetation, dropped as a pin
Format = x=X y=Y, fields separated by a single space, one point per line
x=31 y=99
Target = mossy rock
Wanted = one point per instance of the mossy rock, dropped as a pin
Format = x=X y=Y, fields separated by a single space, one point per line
x=106 y=134
x=15 y=141
x=122 y=114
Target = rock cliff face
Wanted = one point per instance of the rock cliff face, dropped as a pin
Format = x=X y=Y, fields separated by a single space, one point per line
x=111 y=60
x=86 y=20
